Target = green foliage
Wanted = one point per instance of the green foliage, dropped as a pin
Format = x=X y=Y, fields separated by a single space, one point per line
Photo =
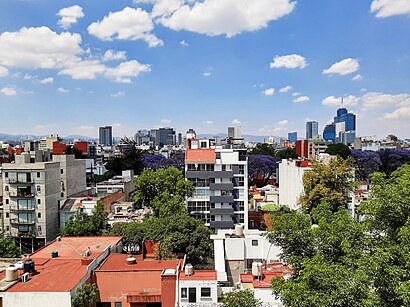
x=163 y=190
x=288 y=153
x=87 y=225
x=263 y=149
x=270 y=207
x=71 y=150
x=133 y=160
x=8 y=249
x=338 y=149
x=240 y=298
x=86 y=296
x=328 y=182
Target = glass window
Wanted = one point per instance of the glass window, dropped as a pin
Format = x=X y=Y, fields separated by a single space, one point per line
x=38 y=174
x=205 y=292
x=39 y=228
x=118 y=304
x=7 y=201
x=254 y=242
x=61 y=171
x=6 y=174
x=6 y=188
x=39 y=215
x=184 y=293
x=7 y=214
x=39 y=201
x=25 y=204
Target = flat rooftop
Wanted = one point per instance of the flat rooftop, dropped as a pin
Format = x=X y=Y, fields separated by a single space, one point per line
x=199 y=275
x=116 y=262
x=200 y=155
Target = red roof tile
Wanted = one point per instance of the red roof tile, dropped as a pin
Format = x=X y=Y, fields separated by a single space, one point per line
x=199 y=275
x=200 y=155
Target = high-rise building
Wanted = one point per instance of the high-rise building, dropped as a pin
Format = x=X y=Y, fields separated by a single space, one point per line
x=105 y=136
x=220 y=176
x=312 y=129
x=343 y=128
x=163 y=136
x=329 y=133
x=292 y=137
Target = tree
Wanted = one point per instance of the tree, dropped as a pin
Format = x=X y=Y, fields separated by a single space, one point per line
x=132 y=160
x=153 y=161
x=393 y=158
x=86 y=296
x=261 y=166
x=164 y=191
x=288 y=153
x=366 y=162
x=329 y=182
x=338 y=150
x=8 y=249
x=240 y=298
x=263 y=149
x=83 y=224
x=71 y=150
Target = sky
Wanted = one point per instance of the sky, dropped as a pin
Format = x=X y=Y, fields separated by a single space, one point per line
x=68 y=67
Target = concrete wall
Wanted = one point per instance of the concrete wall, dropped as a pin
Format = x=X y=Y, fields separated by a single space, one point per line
x=290 y=184
x=198 y=284
x=266 y=296
x=29 y=299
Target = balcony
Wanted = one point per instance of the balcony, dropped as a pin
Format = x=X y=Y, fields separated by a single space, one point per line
x=221 y=186
x=21 y=209
x=208 y=174
x=21 y=195
x=17 y=181
x=222 y=211
x=22 y=222
x=221 y=199
x=222 y=224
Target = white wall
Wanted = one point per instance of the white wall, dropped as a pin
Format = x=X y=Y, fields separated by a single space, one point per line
x=198 y=284
x=290 y=184
x=29 y=299
x=266 y=296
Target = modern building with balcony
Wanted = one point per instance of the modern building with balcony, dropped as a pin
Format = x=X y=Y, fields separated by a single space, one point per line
x=31 y=195
x=219 y=173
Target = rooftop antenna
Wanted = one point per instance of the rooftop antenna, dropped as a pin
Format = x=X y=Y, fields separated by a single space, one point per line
x=342 y=102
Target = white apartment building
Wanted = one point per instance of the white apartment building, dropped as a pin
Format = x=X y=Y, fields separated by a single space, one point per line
x=32 y=191
x=220 y=176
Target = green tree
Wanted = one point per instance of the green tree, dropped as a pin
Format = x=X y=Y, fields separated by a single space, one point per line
x=338 y=149
x=329 y=182
x=163 y=190
x=240 y=298
x=8 y=249
x=83 y=224
x=263 y=149
x=288 y=153
x=132 y=160
x=86 y=296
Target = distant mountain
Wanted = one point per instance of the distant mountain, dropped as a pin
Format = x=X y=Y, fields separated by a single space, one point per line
x=25 y=137
x=78 y=137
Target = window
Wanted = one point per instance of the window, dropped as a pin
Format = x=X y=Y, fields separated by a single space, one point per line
x=205 y=292
x=6 y=188
x=7 y=228
x=38 y=188
x=7 y=214
x=6 y=175
x=7 y=201
x=254 y=242
x=203 y=144
x=62 y=194
x=192 y=295
x=241 y=181
x=61 y=171
x=118 y=304
x=39 y=215
x=38 y=174
x=38 y=201
x=25 y=204
x=184 y=293
x=39 y=228
x=242 y=169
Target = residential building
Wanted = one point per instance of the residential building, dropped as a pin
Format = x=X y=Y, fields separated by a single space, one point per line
x=32 y=191
x=312 y=128
x=47 y=142
x=311 y=148
x=53 y=274
x=124 y=183
x=219 y=174
x=197 y=287
x=292 y=137
x=105 y=136
x=142 y=137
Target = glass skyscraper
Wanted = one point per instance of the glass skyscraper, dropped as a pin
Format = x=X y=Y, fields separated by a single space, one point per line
x=312 y=129
x=343 y=128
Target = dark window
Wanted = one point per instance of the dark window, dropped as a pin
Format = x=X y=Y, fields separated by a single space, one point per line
x=184 y=293
x=7 y=214
x=254 y=242
x=6 y=188
x=6 y=174
x=118 y=304
x=62 y=194
x=38 y=201
x=205 y=292
x=39 y=228
x=7 y=228
x=203 y=144
x=61 y=171
x=217 y=155
x=38 y=188
x=192 y=295
x=7 y=201
x=38 y=174
x=241 y=169
x=39 y=215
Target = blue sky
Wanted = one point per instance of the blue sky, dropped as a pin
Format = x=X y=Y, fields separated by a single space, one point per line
x=68 y=67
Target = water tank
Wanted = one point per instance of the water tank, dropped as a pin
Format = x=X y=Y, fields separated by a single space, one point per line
x=130 y=261
x=238 y=230
x=11 y=273
x=28 y=266
x=189 y=269
x=256 y=269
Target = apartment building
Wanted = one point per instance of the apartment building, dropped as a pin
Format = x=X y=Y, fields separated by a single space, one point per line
x=32 y=191
x=219 y=173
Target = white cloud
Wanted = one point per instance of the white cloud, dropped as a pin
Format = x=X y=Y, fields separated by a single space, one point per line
x=374 y=100
x=208 y=122
x=236 y=121
x=118 y=94
x=283 y=122
x=290 y=61
x=4 y=72
x=387 y=8
x=29 y=77
x=269 y=91
x=344 y=67
x=184 y=43
x=301 y=99
x=70 y=16
x=165 y=121
x=8 y=91
x=39 y=48
x=403 y=112
x=225 y=17
x=112 y=55
x=124 y=71
x=165 y=7
x=128 y=24
x=295 y=94
x=62 y=90
x=84 y=70
x=285 y=89
x=333 y=101
x=47 y=80
x=207 y=74
x=358 y=77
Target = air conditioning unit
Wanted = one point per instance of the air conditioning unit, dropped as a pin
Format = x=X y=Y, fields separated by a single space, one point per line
x=24 y=277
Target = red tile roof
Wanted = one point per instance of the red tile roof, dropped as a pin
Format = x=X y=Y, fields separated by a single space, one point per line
x=269 y=272
x=200 y=155
x=116 y=262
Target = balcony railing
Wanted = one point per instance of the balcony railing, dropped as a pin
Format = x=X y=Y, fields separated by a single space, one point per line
x=22 y=222
x=15 y=181
x=18 y=209
x=21 y=195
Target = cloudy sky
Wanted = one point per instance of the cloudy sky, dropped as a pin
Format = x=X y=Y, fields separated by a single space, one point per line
x=68 y=67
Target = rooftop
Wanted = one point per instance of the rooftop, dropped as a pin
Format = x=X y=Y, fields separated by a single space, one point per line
x=199 y=275
x=269 y=272
x=200 y=155
x=116 y=262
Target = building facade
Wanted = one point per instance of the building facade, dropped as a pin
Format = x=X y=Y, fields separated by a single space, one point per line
x=105 y=136
x=292 y=137
x=312 y=129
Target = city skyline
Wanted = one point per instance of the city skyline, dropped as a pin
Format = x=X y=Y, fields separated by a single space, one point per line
x=204 y=65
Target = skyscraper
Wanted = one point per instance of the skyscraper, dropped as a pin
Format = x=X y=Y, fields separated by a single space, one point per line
x=105 y=136
x=312 y=129
x=343 y=128
x=292 y=137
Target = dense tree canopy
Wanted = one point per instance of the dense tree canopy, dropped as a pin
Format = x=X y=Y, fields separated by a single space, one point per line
x=8 y=249
x=132 y=160
x=263 y=149
x=367 y=162
x=338 y=149
x=240 y=298
x=261 y=166
x=288 y=153
x=86 y=296
x=156 y=162
x=393 y=158
x=164 y=191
